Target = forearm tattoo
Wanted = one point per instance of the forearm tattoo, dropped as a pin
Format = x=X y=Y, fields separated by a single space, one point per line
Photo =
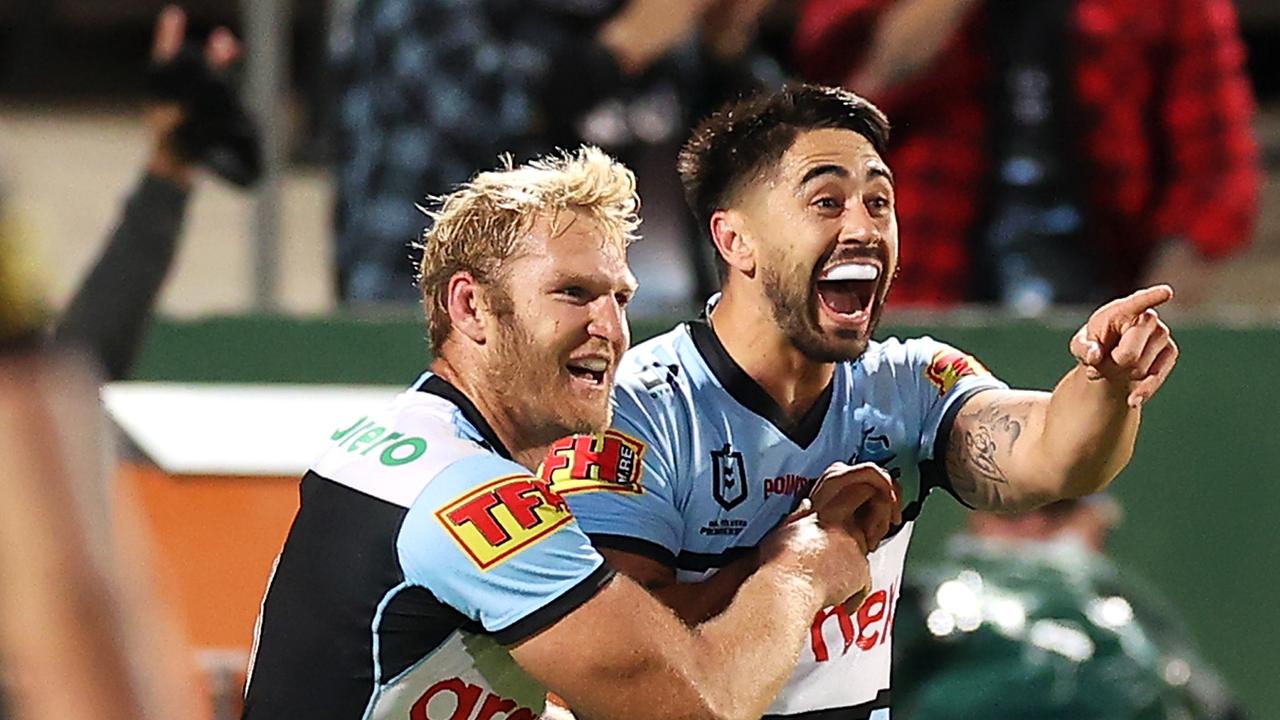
x=980 y=442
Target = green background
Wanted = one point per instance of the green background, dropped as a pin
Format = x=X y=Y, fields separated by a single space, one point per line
x=1200 y=495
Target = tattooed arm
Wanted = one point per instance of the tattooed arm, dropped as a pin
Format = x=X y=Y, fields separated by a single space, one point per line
x=1013 y=450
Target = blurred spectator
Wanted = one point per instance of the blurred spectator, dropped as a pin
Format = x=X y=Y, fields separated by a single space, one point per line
x=81 y=625
x=195 y=120
x=1026 y=619
x=1055 y=151
x=435 y=89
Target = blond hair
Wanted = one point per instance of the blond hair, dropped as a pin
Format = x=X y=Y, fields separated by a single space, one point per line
x=479 y=226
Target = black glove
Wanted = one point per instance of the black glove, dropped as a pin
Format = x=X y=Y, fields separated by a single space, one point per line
x=217 y=132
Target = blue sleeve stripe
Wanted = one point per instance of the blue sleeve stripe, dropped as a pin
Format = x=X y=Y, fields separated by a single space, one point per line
x=549 y=614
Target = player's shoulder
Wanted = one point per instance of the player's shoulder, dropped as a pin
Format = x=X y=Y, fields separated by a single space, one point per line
x=897 y=356
x=920 y=362
x=394 y=451
x=655 y=373
x=656 y=387
x=894 y=352
x=412 y=424
x=662 y=350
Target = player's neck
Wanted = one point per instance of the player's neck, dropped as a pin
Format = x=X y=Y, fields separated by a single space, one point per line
x=764 y=352
x=526 y=450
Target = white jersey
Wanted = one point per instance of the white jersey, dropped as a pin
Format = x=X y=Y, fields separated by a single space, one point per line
x=722 y=465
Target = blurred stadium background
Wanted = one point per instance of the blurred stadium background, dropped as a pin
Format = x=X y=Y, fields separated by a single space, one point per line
x=1200 y=496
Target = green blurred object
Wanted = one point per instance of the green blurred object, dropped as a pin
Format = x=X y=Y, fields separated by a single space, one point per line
x=1200 y=493
x=1025 y=630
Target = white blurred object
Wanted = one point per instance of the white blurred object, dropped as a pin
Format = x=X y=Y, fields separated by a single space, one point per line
x=256 y=430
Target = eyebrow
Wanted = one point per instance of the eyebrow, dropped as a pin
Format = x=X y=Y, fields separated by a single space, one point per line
x=877 y=170
x=820 y=170
x=592 y=281
x=841 y=171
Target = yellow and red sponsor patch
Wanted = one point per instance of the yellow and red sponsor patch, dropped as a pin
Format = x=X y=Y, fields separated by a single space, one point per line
x=603 y=461
x=948 y=366
x=499 y=519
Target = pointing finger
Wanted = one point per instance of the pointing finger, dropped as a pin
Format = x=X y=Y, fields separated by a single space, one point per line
x=1107 y=322
x=1130 y=307
x=1144 y=299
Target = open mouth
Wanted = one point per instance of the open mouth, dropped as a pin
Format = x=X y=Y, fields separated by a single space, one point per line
x=848 y=290
x=592 y=370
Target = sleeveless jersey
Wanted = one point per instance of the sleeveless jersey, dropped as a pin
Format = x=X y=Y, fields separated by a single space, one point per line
x=721 y=465
x=419 y=551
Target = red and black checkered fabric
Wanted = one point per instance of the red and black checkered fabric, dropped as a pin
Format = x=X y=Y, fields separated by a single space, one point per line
x=1163 y=111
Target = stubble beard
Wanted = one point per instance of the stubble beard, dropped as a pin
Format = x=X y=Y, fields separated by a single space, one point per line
x=793 y=307
x=530 y=378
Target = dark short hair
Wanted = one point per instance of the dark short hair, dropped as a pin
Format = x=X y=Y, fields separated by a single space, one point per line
x=744 y=137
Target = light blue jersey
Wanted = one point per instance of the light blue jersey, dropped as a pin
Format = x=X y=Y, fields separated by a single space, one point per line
x=722 y=465
x=420 y=552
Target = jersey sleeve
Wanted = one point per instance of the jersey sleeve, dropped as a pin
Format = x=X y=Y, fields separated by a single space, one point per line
x=943 y=378
x=497 y=544
x=626 y=496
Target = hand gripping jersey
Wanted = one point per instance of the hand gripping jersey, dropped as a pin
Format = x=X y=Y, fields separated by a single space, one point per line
x=721 y=465
x=419 y=551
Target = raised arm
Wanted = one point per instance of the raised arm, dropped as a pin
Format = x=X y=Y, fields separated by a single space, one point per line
x=1012 y=450
x=111 y=310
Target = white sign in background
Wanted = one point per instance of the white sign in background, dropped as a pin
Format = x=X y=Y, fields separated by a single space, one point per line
x=216 y=429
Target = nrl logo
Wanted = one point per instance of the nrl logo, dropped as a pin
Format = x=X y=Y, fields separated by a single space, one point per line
x=729 y=477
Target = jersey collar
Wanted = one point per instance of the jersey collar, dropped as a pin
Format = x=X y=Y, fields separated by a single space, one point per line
x=744 y=389
x=433 y=384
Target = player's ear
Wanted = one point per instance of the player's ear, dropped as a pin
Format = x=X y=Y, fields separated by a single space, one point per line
x=467 y=313
x=734 y=246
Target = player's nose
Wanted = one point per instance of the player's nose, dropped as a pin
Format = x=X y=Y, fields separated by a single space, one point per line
x=859 y=227
x=609 y=321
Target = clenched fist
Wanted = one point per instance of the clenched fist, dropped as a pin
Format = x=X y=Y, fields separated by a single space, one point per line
x=863 y=495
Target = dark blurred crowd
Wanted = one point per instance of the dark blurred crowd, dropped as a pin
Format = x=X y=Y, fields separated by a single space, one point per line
x=435 y=89
x=1053 y=152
